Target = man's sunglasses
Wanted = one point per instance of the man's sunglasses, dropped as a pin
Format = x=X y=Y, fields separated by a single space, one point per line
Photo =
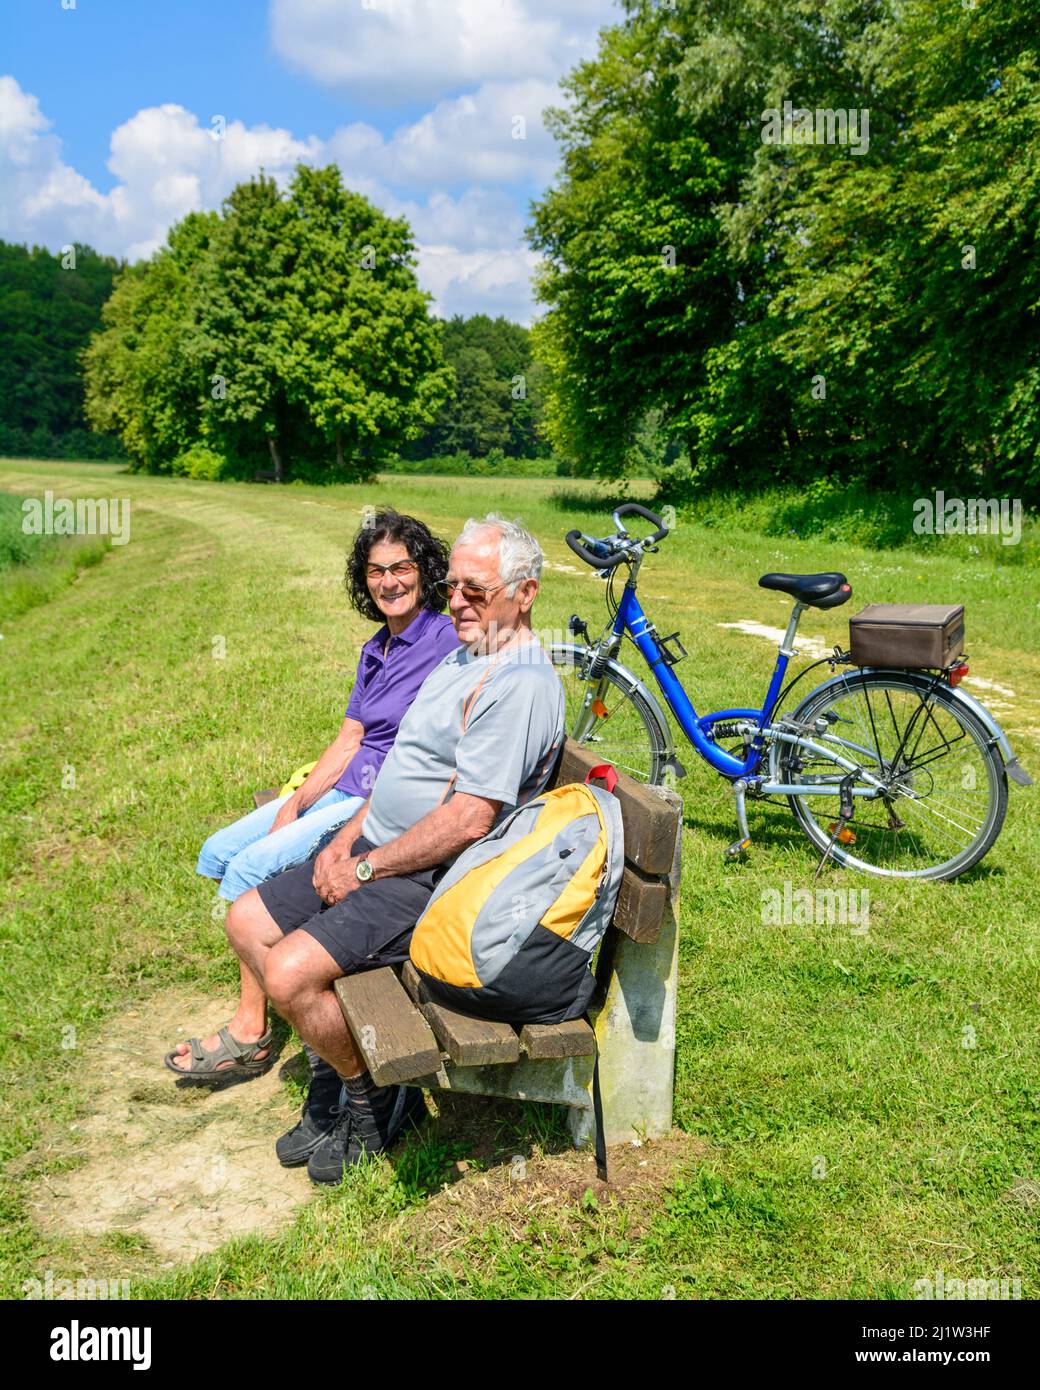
x=472 y=593
x=401 y=569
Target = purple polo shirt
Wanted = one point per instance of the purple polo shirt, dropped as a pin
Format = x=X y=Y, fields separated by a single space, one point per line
x=389 y=674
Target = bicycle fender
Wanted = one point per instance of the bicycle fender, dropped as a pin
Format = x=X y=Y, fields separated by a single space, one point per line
x=1013 y=767
x=634 y=684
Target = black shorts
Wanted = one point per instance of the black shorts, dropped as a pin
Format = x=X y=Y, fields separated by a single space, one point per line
x=372 y=926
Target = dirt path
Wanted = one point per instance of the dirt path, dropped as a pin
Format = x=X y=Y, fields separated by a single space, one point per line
x=187 y=1168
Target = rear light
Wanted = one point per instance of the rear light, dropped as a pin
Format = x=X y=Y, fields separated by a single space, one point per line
x=957 y=674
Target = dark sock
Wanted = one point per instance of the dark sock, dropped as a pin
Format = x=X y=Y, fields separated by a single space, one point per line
x=320 y=1069
x=366 y=1098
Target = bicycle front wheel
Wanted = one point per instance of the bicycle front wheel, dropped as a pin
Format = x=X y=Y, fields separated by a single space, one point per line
x=610 y=717
x=946 y=794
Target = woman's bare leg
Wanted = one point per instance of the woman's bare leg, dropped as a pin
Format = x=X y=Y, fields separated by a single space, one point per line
x=248 y=1024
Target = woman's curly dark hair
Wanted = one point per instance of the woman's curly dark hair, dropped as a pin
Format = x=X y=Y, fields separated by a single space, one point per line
x=428 y=552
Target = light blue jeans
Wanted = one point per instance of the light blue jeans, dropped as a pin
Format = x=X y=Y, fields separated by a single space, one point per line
x=244 y=854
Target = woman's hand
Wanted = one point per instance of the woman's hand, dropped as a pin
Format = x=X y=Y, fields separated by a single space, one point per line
x=287 y=813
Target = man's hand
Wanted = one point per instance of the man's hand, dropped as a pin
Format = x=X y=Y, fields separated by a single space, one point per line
x=287 y=813
x=335 y=871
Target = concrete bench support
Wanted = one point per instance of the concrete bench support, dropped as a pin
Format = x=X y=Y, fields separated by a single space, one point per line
x=635 y=1026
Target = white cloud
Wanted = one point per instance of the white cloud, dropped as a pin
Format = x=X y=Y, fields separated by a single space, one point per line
x=458 y=172
x=166 y=163
x=470 y=246
x=494 y=135
x=487 y=281
x=390 y=51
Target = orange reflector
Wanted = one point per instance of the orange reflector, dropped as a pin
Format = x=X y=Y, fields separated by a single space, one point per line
x=845 y=836
x=599 y=709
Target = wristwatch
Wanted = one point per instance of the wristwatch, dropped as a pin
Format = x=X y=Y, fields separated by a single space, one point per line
x=364 y=870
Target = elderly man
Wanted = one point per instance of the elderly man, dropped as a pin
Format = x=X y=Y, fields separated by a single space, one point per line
x=480 y=738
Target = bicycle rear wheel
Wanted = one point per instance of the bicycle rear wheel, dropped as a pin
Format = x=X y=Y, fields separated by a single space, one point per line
x=947 y=794
x=611 y=718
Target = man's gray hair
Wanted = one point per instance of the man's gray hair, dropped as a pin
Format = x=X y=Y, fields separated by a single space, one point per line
x=519 y=554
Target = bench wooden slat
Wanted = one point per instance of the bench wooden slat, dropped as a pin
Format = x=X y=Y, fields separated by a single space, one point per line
x=640 y=906
x=468 y=1041
x=261 y=798
x=649 y=820
x=573 y=1039
x=392 y=1035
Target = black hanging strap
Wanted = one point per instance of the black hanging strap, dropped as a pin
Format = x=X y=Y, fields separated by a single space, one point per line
x=597 y=1110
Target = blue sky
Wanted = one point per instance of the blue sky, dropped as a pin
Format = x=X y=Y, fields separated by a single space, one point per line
x=107 y=113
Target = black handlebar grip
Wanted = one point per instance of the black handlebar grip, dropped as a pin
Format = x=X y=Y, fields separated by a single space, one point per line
x=598 y=562
x=630 y=508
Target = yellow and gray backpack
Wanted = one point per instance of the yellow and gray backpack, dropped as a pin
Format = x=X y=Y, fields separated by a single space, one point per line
x=510 y=930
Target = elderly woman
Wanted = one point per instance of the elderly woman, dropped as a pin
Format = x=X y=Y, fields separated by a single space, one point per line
x=392 y=573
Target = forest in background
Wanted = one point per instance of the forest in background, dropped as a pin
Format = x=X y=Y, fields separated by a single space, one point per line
x=785 y=246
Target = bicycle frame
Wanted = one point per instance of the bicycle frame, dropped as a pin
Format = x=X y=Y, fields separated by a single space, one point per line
x=630 y=618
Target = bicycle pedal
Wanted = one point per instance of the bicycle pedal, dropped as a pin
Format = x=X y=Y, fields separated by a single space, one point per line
x=844 y=836
x=737 y=848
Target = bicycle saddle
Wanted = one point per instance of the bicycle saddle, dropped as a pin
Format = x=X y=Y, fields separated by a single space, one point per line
x=816 y=590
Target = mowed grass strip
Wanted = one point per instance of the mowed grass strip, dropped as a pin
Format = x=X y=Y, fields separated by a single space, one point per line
x=861 y=1109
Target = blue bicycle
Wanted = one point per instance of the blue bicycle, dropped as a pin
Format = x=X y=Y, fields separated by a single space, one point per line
x=894 y=772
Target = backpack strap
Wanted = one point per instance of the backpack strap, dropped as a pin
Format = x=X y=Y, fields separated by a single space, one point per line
x=467 y=708
x=602 y=1171
x=607 y=774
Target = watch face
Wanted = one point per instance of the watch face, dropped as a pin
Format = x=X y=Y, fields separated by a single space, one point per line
x=364 y=870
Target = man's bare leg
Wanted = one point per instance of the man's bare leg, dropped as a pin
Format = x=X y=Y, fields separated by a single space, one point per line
x=298 y=976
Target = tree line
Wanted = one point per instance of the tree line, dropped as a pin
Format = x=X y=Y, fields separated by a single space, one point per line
x=284 y=335
x=49 y=307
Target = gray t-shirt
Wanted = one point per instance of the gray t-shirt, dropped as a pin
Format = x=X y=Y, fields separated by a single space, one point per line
x=486 y=725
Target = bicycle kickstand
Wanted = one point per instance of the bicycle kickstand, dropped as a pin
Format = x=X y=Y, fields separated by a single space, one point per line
x=738 y=847
x=845 y=812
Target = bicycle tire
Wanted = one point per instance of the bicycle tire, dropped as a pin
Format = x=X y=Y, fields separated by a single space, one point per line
x=886 y=851
x=635 y=743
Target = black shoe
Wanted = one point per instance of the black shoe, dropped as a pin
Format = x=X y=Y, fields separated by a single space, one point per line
x=321 y=1111
x=365 y=1129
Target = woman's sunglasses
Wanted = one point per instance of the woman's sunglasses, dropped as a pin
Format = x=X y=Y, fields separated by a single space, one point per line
x=401 y=569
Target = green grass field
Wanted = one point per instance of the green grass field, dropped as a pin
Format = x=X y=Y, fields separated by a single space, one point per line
x=854 y=1111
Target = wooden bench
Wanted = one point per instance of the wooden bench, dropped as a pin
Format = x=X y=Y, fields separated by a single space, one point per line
x=406 y=1037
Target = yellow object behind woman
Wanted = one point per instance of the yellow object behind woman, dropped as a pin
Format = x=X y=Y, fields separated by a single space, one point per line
x=298 y=778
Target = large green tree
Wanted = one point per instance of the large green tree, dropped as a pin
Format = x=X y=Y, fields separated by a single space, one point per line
x=363 y=356
x=636 y=275
x=869 y=310
x=286 y=332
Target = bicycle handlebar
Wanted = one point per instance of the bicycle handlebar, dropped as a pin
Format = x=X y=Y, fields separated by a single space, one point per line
x=602 y=561
x=628 y=508
x=599 y=555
